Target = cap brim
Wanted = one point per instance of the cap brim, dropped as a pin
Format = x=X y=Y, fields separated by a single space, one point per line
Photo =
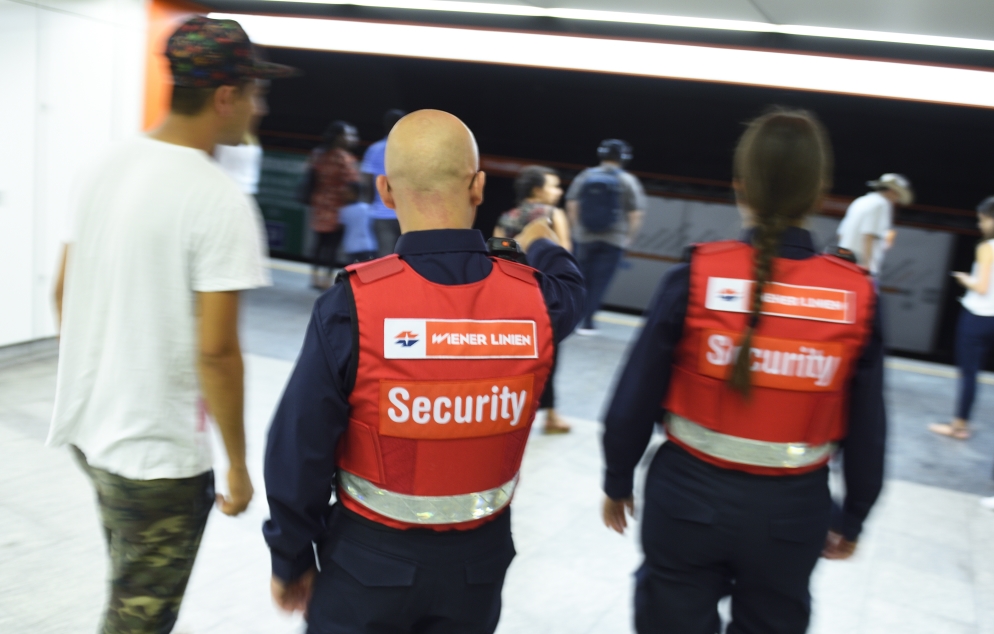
x=906 y=196
x=269 y=70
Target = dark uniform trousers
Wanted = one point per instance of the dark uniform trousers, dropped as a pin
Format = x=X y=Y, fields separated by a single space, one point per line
x=708 y=532
x=379 y=580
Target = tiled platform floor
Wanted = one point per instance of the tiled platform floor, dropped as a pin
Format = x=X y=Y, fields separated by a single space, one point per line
x=925 y=564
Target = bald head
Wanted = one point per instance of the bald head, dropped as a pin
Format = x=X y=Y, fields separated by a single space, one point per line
x=431 y=159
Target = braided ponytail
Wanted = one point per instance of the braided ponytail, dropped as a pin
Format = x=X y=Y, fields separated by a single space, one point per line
x=782 y=167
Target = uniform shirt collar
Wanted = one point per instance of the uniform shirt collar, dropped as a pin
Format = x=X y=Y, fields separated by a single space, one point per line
x=796 y=243
x=441 y=241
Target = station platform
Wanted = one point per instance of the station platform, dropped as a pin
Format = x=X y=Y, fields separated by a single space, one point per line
x=925 y=563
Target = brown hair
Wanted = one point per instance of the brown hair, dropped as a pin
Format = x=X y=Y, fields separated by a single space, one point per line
x=192 y=101
x=783 y=166
x=529 y=178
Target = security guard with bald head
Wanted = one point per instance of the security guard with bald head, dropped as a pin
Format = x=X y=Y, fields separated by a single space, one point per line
x=411 y=402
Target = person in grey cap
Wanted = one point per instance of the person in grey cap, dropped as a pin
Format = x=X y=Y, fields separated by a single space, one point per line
x=867 y=229
x=163 y=241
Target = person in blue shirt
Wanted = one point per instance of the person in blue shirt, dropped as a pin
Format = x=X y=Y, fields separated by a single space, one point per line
x=729 y=512
x=358 y=243
x=374 y=577
x=385 y=225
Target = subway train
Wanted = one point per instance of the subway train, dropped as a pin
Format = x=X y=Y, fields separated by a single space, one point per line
x=683 y=133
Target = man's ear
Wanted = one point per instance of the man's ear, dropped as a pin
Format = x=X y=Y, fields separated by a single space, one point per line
x=383 y=186
x=224 y=100
x=476 y=189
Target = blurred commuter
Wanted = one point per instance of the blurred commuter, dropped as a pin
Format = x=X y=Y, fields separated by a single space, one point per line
x=385 y=224
x=755 y=396
x=163 y=241
x=975 y=329
x=420 y=536
x=538 y=192
x=868 y=226
x=605 y=205
x=242 y=162
x=333 y=169
x=359 y=244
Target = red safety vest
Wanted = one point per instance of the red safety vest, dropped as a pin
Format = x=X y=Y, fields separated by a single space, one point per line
x=448 y=381
x=816 y=321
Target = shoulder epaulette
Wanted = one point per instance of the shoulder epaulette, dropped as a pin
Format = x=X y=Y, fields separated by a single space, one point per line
x=369 y=272
x=841 y=253
x=522 y=272
x=844 y=258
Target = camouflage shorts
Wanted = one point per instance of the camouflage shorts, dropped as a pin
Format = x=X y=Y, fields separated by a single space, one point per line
x=153 y=530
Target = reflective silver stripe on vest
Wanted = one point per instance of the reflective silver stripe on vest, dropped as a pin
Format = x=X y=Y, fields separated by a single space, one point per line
x=427 y=509
x=782 y=455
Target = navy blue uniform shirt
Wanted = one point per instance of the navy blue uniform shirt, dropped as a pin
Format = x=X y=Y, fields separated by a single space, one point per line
x=638 y=399
x=314 y=411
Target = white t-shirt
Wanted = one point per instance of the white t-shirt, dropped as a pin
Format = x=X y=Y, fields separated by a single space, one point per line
x=242 y=163
x=982 y=305
x=869 y=214
x=154 y=223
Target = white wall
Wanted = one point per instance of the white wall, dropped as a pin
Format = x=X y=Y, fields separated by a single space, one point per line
x=71 y=83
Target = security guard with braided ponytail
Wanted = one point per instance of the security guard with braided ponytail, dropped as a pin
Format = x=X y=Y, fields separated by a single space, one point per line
x=762 y=359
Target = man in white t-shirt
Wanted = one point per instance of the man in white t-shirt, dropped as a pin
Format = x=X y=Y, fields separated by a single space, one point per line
x=867 y=229
x=163 y=241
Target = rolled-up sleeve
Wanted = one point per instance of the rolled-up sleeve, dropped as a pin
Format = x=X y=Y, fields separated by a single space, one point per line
x=300 y=453
x=634 y=199
x=228 y=249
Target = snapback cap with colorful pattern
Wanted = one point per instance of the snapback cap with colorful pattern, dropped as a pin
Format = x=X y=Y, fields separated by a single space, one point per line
x=207 y=53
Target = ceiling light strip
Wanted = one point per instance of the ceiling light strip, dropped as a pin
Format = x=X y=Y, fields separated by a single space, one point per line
x=663 y=20
x=870 y=78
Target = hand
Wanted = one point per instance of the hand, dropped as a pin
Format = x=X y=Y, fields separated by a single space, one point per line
x=962 y=278
x=239 y=492
x=614 y=513
x=838 y=547
x=538 y=229
x=294 y=596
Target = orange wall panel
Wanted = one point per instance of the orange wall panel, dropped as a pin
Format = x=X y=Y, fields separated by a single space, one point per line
x=163 y=18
